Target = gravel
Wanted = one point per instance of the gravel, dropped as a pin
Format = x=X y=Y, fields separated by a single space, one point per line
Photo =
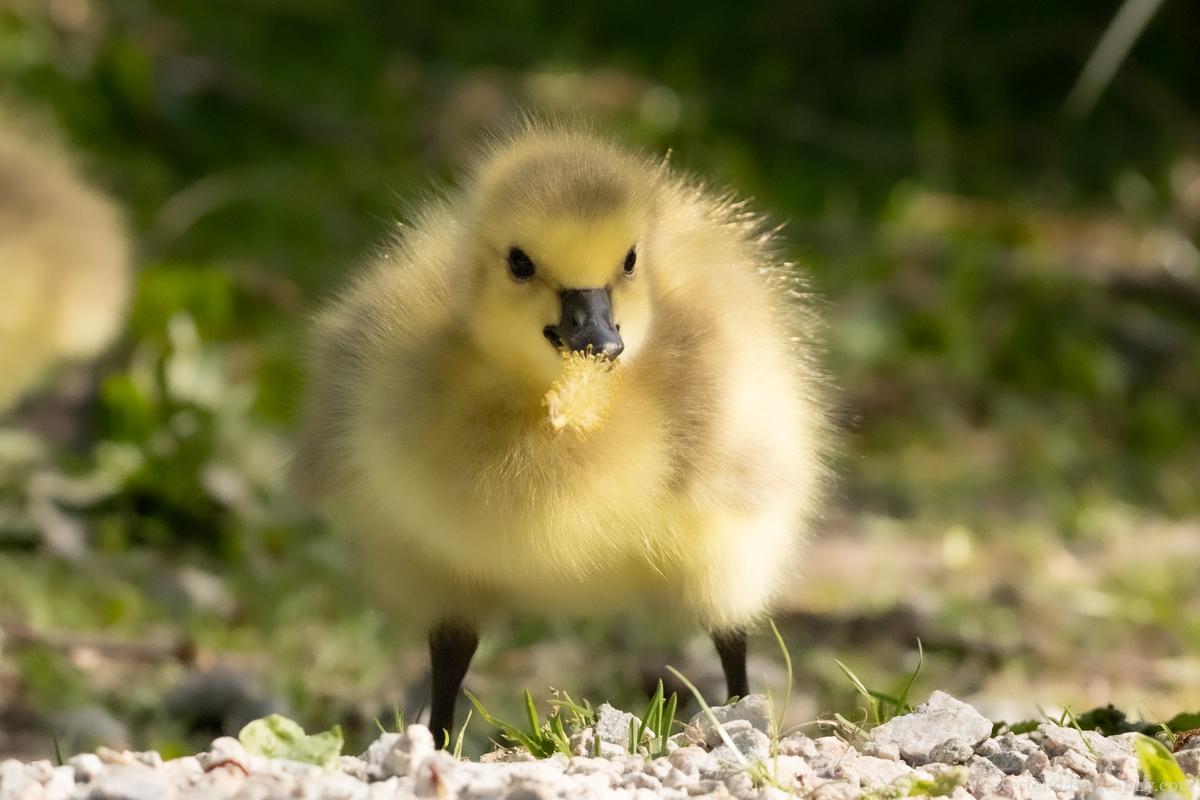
x=944 y=743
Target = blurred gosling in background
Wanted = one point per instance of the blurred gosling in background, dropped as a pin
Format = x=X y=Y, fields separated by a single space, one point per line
x=64 y=260
x=580 y=383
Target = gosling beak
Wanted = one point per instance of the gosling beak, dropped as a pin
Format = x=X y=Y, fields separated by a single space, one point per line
x=586 y=323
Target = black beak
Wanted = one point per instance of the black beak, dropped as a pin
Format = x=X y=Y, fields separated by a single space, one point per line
x=586 y=323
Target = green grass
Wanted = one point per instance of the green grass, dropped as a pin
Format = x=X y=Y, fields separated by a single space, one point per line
x=462 y=733
x=881 y=706
x=542 y=739
x=657 y=720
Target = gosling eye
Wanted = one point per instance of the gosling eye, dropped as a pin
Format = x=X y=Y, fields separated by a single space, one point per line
x=520 y=264
x=630 y=260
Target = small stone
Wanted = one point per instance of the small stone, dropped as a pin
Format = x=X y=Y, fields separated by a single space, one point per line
x=1111 y=783
x=751 y=744
x=126 y=782
x=703 y=787
x=15 y=781
x=1036 y=763
x=646 y=794
x=224 y=750
x=433 y=771
x=1108 y=793
x=939 y=718
x=583 y=741
x=186 y=766
x=831 y=752
x=121 y=757
x=528 y=790
x=1079 y=763
x=677 y=779
x=408 y=750
x=1024 y=787
x=1056 y=740
x=376 y=752
x=687 y=736
x=1006 y=743
x=659 y=768
x=983 y=776
x=613 y=725
x=739 y=783
x=889 y=751
x=389 y=789
x=594 y=766
x=1009 y=762
x=831 y=747
x=952 y=751
x=755 y=709
x=39 y=771
x=790 y=771
x=640 y=780
x=837 y=790
x=688 y=760
x=61 y=784
x=87 y=766
x=286 y=767
x=1064 y=781
x=1122 y=743
x=340 y=786
x=1122 y=767
x=772 y=793
x=631 y=763
x=1189 y=760
x=353 y=766
x=870 y=772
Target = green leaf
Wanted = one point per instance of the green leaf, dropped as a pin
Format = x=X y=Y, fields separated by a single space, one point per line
x=1159 y=767
x=650 y=718
x=277 y=736
x=861 y=688
x=901 y=705
x=537 y=744
x=531 y=714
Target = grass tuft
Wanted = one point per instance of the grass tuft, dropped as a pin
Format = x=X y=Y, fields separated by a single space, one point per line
x=882 y=707
x=543 y=739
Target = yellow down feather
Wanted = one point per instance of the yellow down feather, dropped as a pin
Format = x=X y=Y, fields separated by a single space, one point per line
x=434 y=431
x=64 y=260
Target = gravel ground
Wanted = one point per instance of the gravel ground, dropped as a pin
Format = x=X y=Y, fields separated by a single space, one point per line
x=944 y=746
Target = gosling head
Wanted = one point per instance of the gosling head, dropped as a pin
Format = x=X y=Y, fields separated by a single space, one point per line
x=562 y=244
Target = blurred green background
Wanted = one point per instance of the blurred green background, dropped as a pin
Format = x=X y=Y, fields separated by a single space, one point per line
x=1012 y=292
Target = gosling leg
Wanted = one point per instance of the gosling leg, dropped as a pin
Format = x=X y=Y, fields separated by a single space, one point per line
x=451 y=646
x=731 y=647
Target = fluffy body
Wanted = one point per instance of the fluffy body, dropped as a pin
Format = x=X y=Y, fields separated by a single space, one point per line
x=64 y=261
x=427 y=437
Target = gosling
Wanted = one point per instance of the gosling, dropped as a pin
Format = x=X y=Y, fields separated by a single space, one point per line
x=427 y=433
x=64 y=260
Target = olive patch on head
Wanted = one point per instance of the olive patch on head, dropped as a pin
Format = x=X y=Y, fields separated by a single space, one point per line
x=630 y=260
x=520 y=264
